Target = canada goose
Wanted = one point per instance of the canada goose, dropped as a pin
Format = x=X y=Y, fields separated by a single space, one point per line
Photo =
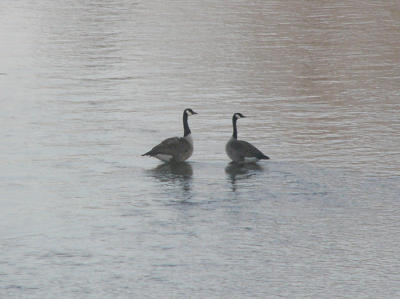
x=175 y=149
x=242 y=151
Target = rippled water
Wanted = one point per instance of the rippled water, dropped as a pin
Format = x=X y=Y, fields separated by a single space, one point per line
x=88 y=86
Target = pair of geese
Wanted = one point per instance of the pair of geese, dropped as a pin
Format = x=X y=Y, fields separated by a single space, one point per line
x=178 y=149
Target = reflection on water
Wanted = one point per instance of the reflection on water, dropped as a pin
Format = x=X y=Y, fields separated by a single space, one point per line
x=241 y=171
x=177 y=176
x=173 y=171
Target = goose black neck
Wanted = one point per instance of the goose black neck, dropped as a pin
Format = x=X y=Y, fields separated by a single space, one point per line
x=186 y=130
x=234 y=135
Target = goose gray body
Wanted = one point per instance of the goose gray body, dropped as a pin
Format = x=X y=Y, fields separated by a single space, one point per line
x=242 y=151
x=175 y=149
x=239 y=150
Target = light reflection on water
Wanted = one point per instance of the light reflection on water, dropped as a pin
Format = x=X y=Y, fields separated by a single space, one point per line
x=87 y=87
x=176 y=178
x=239 y=172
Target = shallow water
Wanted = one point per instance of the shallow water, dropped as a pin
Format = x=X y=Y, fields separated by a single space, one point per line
x=88 y=86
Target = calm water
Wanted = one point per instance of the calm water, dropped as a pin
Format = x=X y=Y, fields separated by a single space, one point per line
x=88 y=86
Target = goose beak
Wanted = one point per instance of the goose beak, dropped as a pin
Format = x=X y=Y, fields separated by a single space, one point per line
x=194 y=113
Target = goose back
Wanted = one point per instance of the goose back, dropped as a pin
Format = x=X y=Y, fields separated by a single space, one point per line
x=241 y=151
x=173 y=149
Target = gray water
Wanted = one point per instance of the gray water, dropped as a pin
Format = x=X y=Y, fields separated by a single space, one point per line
x=89 y=86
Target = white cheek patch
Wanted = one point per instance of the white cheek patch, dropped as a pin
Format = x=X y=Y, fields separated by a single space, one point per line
x=164 y=157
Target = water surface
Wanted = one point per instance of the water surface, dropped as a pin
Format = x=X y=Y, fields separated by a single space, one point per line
x=88 y=86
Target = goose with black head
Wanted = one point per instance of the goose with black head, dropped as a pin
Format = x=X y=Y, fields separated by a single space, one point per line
x=175 y=149
x=241 y=151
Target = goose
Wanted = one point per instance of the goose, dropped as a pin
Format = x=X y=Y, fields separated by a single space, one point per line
x=175 y=149
x=239 y=150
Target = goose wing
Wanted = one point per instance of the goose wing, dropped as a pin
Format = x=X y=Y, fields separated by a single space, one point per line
x=246 y=149
x=170 y=146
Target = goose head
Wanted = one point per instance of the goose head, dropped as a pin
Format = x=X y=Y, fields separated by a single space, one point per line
x=189 y=111
x=238 y=115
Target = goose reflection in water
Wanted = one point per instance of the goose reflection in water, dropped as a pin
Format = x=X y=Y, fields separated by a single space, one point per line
x=240 y=171
x=175 y=174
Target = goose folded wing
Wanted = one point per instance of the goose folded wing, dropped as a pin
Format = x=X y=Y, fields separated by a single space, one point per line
x=246 y=149
x=170 y=146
